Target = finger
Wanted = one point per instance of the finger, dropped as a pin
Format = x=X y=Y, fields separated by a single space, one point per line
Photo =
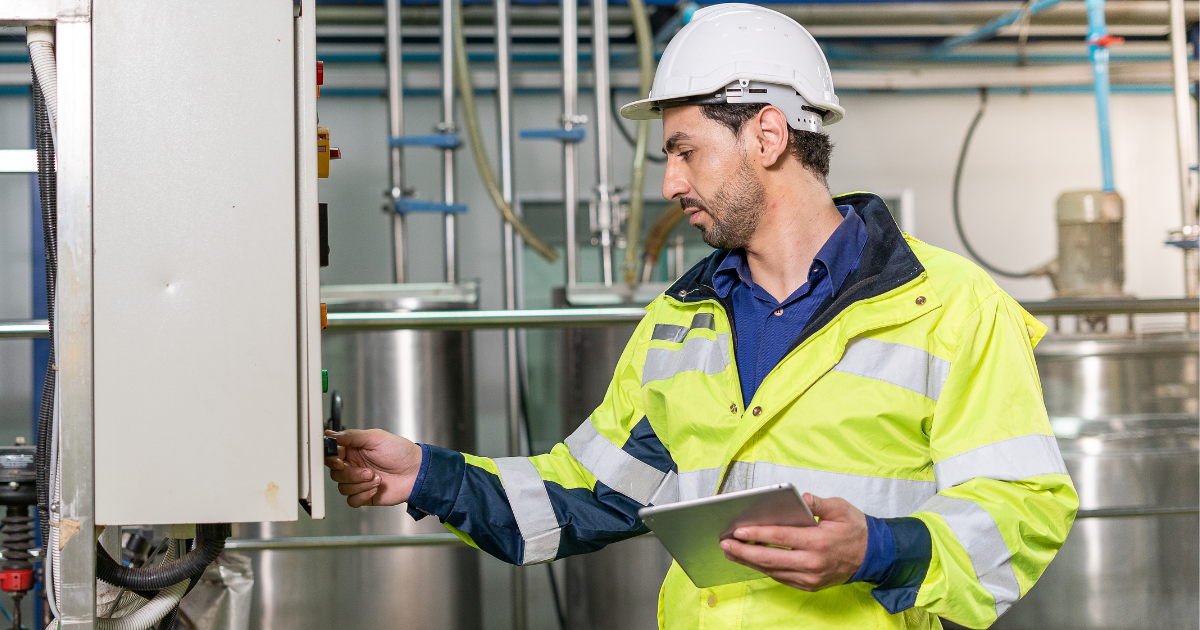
x=790 y=537
x=352 y=474
x=758 y=556
x=361 y=499
x=349 y=489
x=334 y=463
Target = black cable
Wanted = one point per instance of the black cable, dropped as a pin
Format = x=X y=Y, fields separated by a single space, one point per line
x=524 y=406
x=47 y=191
x=962 y=159
x=612 y=105
x=210 y=541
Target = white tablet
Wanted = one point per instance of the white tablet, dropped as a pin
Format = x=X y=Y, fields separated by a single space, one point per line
x=692 y=530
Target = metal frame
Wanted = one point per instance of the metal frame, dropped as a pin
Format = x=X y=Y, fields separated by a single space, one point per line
x=77 y=575
x=312 y=485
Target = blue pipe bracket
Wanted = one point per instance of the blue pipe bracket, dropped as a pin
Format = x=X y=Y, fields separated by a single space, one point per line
x=407 y=206
x=436 y=140
x=576 y=134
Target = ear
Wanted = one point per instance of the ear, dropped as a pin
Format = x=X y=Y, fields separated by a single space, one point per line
x=771 y=135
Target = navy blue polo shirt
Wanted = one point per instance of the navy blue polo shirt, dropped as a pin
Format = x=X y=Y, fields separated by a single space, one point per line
x=766 y=327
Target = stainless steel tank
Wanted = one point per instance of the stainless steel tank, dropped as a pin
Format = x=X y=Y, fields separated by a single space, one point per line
x=416 y=384
x=1125 y=412
x=616 y=587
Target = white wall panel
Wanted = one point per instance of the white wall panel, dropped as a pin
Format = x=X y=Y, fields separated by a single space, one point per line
x=195 y=262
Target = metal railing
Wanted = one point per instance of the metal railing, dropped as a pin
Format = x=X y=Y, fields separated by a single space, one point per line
x=342 y=542
x=427 y=540
x=593 y=317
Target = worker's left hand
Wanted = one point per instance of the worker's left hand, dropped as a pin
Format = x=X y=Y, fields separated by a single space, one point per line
x=814 y=557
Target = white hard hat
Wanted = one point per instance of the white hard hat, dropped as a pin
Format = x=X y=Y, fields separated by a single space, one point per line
x=744 y=53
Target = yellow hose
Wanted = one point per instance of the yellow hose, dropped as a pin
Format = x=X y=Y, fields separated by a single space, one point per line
x=633 y=222
x=462 y=70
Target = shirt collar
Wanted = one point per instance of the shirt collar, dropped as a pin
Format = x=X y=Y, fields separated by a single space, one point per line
x=839 y=256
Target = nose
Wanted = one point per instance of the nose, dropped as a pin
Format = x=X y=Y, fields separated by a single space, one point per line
x=675 y=185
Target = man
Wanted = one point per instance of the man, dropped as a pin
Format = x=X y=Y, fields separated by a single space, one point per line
x=892 y=381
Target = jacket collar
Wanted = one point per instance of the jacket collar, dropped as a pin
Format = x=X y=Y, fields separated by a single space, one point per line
x=887 y=263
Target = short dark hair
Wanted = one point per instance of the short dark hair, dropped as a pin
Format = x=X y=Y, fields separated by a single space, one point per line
x=813 y=150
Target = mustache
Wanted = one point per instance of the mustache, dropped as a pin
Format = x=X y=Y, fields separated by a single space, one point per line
x=692 y=202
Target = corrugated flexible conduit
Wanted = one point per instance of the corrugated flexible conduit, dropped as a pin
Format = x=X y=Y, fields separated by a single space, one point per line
x=41 y=54
x=633 y=222
x=149 y=614
x=462 y=71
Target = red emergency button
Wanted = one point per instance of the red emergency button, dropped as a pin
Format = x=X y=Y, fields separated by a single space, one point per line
x=320 y=76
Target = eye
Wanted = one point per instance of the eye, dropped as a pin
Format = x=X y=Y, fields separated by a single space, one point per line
x=685 y=154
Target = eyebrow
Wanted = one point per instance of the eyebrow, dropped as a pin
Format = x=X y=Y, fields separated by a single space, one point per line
x=675 y=139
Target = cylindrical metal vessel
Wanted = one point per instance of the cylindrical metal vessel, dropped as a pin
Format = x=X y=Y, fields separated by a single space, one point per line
x=1125 y=412
x=616 y=587
x=1091 y=246
x=417 y=384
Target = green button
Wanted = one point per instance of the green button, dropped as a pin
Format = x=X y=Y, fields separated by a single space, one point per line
x=324 y=381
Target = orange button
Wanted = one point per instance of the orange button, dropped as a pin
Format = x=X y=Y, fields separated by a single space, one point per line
x=324 y=316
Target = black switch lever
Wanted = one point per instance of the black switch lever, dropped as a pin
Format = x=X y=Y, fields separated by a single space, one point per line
x=333 y=424
x=323 y=229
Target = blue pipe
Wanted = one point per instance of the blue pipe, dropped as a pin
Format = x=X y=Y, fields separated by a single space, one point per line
x=1097 y=31
x=991 y=28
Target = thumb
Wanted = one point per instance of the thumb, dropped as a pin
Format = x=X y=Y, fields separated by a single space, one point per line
x=823 y=508
x=353 y=438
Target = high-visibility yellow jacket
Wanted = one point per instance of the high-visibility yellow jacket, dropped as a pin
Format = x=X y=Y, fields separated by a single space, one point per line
x=912 y=394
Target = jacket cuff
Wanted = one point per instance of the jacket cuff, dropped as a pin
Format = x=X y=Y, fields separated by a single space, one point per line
x=914 y=549
x=880 y=555
x=436 y=488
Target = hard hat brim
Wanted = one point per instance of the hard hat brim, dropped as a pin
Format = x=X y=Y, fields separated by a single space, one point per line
x=644 y=109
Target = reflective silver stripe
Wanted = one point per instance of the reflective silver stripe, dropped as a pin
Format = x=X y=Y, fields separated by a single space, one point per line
x=531 y=507
x=704 y=320
x=977 y=532
x=739 y=476
x=694 y=484
x=668 y=492
x=672 y=332
x=881 y=497
x=614 y=467
x=697 y=353
x=669 y=332
x=1007 y=460
x=895 y=363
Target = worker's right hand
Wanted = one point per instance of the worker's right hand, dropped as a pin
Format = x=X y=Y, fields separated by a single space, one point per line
x=374 y=467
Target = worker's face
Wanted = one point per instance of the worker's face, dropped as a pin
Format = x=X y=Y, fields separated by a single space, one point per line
x=709 y=173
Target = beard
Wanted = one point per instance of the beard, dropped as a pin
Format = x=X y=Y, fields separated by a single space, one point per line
x=736 y=209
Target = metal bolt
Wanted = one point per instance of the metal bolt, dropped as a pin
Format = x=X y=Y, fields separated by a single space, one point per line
x=20 y=441
x=13 y=485
x=920 y=300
